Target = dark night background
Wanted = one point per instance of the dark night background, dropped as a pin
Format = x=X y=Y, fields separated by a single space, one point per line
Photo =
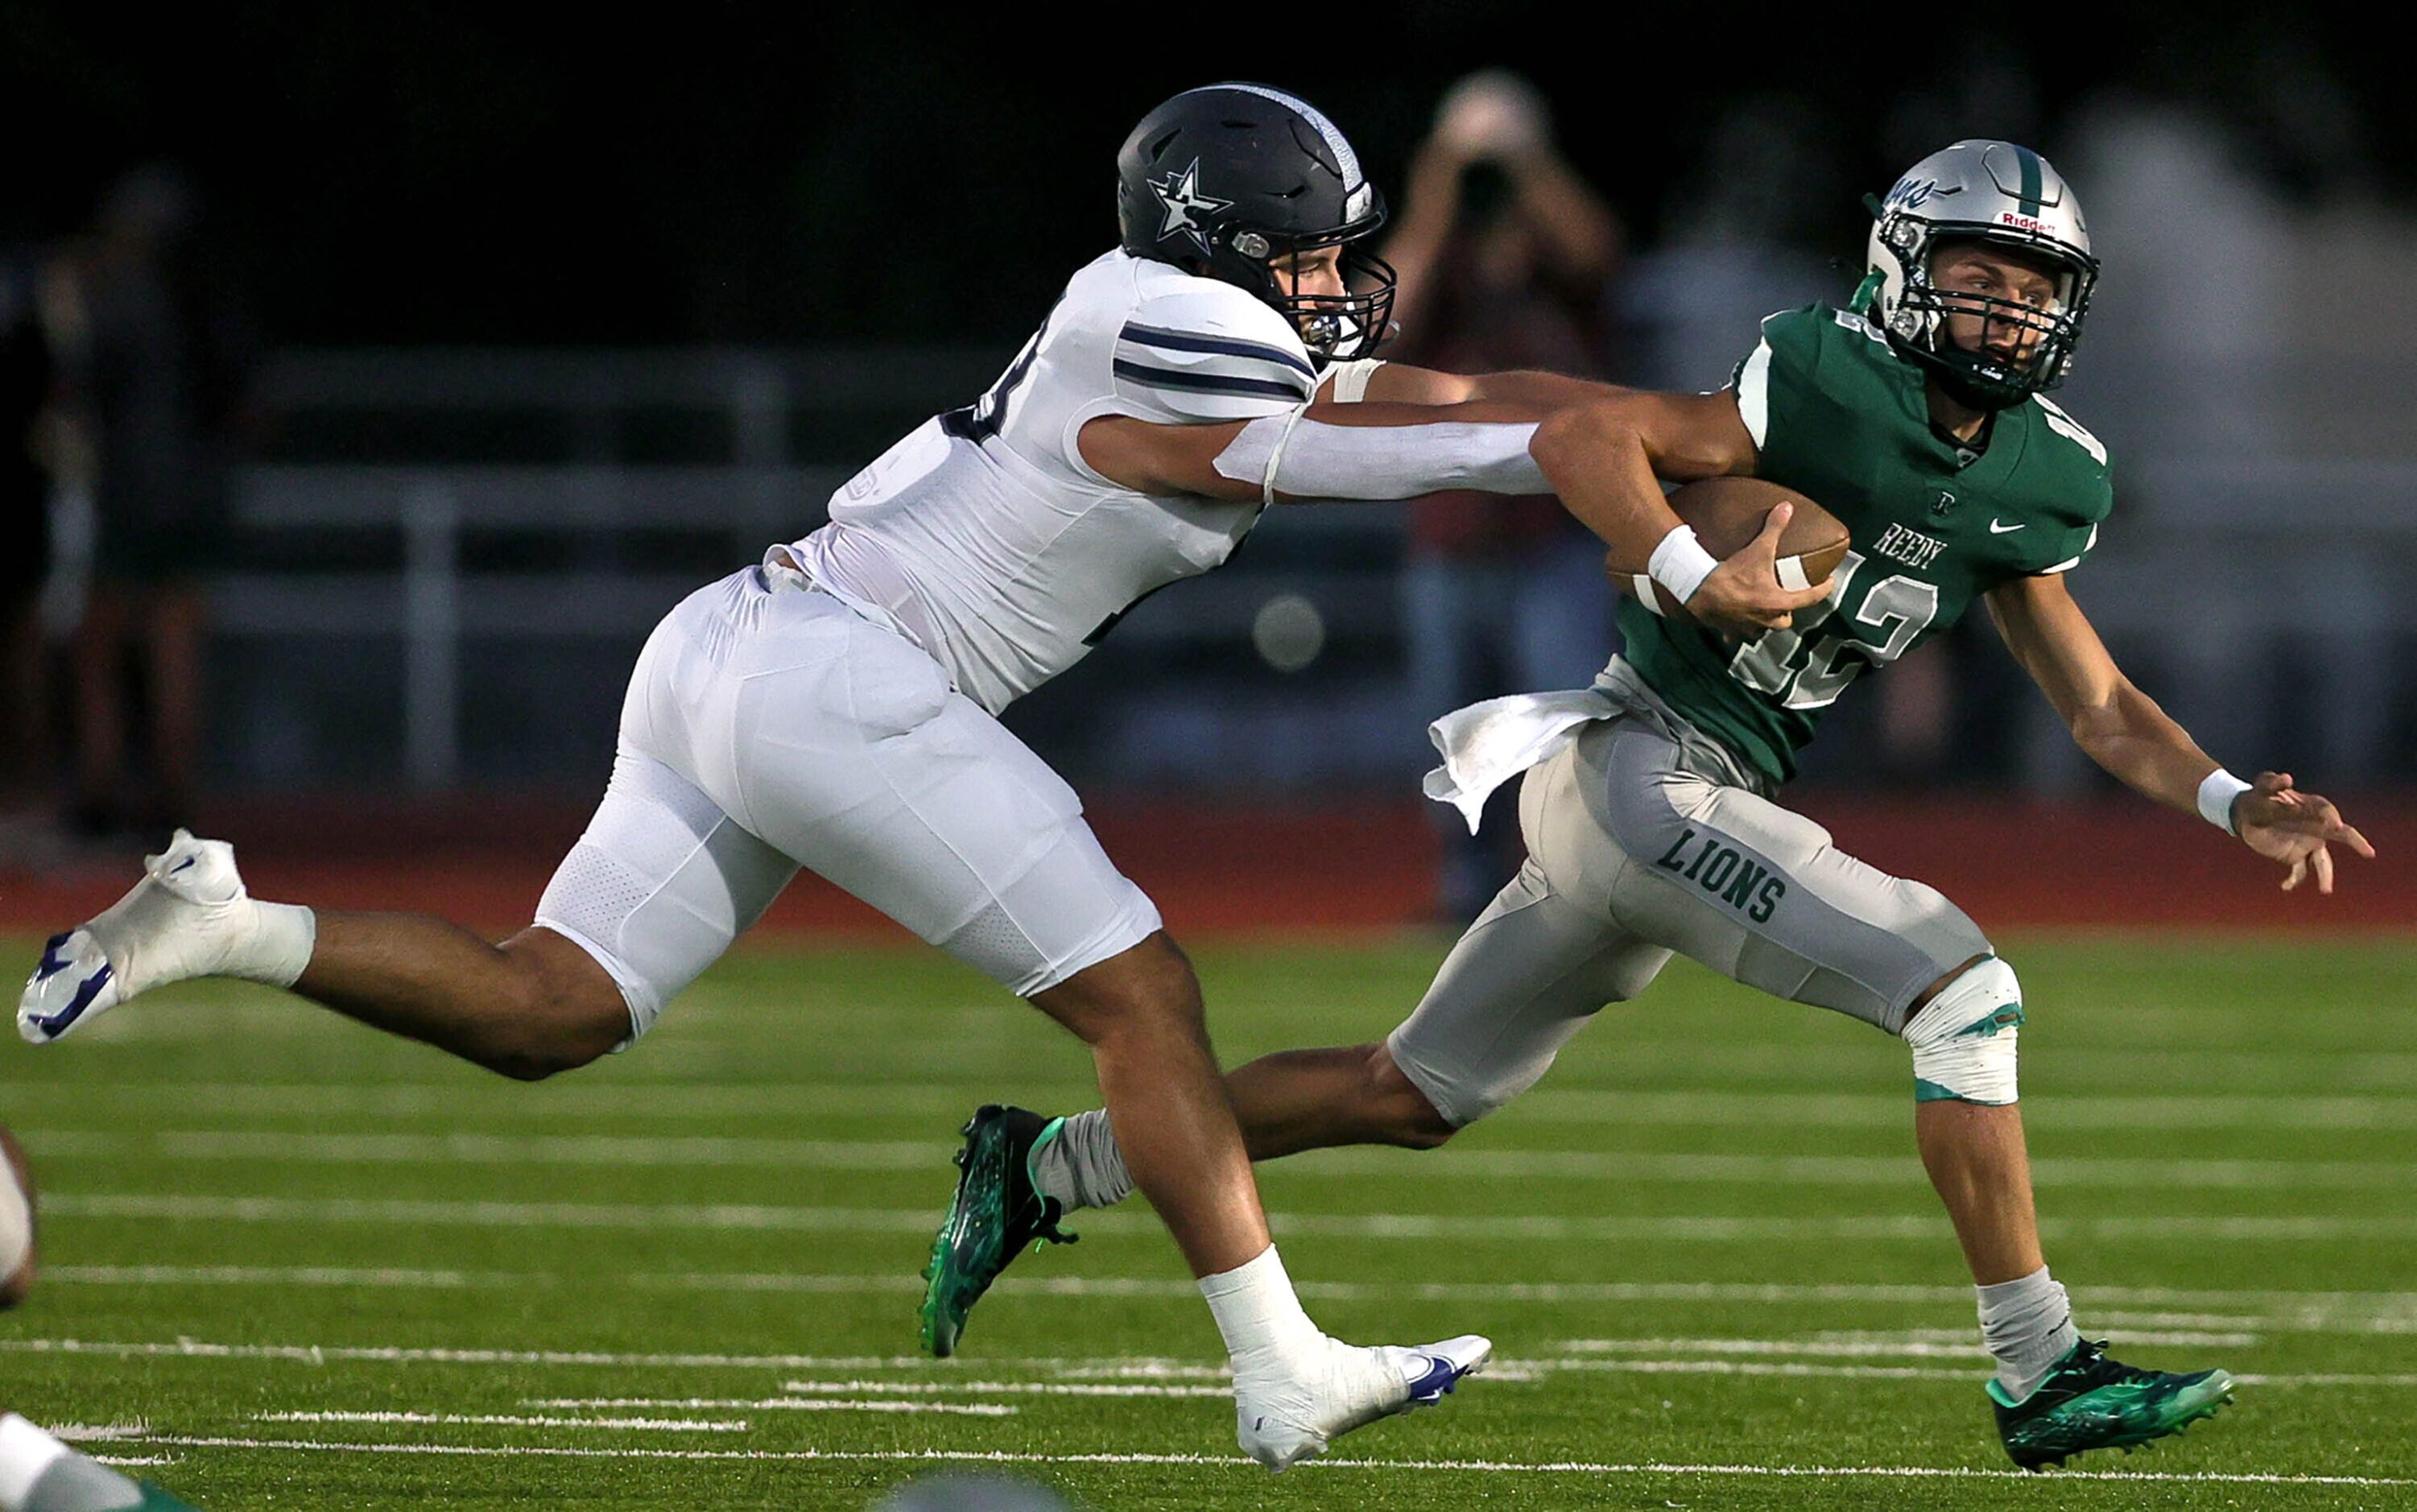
x=452 y=172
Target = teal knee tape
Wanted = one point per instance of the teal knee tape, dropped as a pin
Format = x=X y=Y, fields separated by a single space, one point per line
x=1964 y=1038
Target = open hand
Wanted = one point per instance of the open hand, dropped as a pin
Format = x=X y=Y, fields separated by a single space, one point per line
x=2279 y=821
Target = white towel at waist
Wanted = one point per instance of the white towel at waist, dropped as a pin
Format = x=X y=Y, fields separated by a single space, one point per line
x=1486 y=745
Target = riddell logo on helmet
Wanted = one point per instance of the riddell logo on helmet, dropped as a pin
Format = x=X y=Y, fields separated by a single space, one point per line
x=2026 y=223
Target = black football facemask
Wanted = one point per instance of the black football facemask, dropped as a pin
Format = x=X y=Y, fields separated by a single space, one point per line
x=1987 y=378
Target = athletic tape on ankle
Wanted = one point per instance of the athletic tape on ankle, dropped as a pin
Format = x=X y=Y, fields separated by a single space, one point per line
x=1963 y=1039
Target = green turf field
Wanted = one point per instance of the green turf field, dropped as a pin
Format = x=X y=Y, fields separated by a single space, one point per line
x=292 y=1263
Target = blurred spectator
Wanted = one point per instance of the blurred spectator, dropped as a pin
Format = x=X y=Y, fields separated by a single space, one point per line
x=163 y=374
x=1505 y=257
x=26 y=372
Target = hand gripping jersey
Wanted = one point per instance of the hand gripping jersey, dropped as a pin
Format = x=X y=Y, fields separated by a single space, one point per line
x=1840 y=418
x=986 y=540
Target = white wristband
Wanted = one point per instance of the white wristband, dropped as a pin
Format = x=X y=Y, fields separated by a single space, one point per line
x=1681 y=564
x=2215 y=795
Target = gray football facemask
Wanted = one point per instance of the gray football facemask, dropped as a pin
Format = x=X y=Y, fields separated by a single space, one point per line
x=2004 y=195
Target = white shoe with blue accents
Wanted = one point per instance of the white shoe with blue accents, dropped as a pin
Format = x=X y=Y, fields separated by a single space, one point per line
x=188 y=916
x=1289 y=1410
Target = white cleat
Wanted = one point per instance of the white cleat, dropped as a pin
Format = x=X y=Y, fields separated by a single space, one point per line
x=1288 y=1411
x=188 y=916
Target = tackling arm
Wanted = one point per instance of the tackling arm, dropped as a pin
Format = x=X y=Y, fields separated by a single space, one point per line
x=1604 y=454
x=2123 y=729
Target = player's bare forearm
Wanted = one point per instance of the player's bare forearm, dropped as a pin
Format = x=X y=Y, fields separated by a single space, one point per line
x=2142 y=746
x=1607 y=458
x=1549 y=391
x=2115 y=724
x=1544 y=392
x=2123 y=731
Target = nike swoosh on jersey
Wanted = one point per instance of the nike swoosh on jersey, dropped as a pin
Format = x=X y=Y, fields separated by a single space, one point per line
x=1997 y=529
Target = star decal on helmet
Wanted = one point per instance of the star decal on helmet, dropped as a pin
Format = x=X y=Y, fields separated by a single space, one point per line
x=1180 y=196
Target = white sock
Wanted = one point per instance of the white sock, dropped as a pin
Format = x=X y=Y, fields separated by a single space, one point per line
x=2028 y=1324
x=1256 y=1310
x=1081 y=1164
x=25 y=1453
x=283 y=939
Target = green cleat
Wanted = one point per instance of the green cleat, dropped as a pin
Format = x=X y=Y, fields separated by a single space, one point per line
x=2090 y=1402
x=994 y=1217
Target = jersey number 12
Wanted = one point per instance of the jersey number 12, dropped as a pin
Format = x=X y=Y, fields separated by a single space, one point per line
x=1809 y=664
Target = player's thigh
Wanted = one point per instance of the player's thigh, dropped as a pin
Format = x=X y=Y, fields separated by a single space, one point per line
x=1760 y=893
x=660 y=884
x=1542 y=959
x=859 y=762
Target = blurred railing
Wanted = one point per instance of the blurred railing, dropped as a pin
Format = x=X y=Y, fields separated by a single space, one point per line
x=530 y=515
x=628 y=481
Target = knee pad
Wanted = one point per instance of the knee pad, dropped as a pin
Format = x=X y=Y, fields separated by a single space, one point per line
x=1963 y=1039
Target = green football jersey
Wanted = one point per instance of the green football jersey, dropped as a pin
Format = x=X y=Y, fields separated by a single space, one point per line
x=1839 y=416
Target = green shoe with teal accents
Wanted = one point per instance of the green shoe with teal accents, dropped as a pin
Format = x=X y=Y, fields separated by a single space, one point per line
x=994 y=1217
x=2088 y=1402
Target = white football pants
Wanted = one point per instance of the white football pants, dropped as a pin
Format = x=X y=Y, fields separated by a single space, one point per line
x=768 y=727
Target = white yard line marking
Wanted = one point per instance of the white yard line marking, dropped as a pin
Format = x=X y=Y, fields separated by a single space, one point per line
x=375 y=1278
x=652 y=1101
x=1894 y=1372
x=1462 y=1228
x=96 y=1432
x=651 y=1425
x=318 y=1354
x=887 y=1388
x=1572 y=1467
x=2280 y=1311
x=679 y=1151
x=1130 y=1368
x=491 y=1149
x=1003 y=1388
x=805 y=1389
x=1866 y=1348
x=2066 y=1110
x=721 y=1099
x=2387 y=1314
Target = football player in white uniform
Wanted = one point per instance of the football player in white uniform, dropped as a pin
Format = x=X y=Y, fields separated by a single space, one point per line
x=835 y=708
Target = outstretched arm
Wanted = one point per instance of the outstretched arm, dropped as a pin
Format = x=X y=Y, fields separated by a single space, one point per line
x=1604 y=450
x=2122 y=730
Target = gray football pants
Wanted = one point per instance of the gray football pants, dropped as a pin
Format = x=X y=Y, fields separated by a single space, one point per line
x=1639 y=848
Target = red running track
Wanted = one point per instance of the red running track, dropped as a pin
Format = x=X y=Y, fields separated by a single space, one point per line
x=1349 y=866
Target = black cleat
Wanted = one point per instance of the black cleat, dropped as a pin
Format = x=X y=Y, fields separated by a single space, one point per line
x=2090 y=1402
x=994 y=1217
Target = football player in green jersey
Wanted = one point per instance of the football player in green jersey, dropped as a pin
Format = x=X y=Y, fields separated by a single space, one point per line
x=1917 y=414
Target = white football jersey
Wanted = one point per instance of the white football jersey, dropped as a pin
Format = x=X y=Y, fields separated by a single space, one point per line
x=985 y=537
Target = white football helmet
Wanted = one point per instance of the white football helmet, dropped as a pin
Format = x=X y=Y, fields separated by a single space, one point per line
x=1990 y=191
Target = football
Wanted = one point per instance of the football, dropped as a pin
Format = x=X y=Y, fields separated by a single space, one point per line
x=16 y=1223
x=1728 y=512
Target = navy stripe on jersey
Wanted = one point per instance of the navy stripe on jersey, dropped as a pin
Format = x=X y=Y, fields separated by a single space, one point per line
x=1207 y=383
x=1185 y=341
